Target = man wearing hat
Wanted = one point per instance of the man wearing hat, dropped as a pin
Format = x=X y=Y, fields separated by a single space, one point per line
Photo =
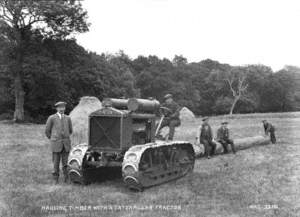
x=206 y=138
x=58 y=130
x=223 y=137
x=269 y=129
x=171 y=118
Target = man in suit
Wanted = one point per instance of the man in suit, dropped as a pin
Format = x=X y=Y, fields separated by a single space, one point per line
x=171 y=119
x=269 y=129
x=58 y=130
x=206 y=138
x=223 y=138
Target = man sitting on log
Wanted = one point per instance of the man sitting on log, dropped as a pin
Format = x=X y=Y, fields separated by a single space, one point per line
x=223 y=138
x=206 y=138
x=269 y=129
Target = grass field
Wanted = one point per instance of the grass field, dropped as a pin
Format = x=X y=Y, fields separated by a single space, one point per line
x=261 y=181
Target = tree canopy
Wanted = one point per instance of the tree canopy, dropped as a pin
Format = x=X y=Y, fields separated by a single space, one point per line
x=56 y=69
x=22 y=21
x=40 y=63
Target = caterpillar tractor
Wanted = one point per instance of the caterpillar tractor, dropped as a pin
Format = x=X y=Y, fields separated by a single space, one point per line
x=121 y=140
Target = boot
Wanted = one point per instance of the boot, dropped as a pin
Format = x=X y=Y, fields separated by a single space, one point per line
x=56 y=180
x=66 y=179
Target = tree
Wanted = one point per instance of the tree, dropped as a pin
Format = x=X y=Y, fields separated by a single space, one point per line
x=236 y=80
x=155 y=81
x=21 y=19
x=288 y=85
x=222 y=105
x=179 y=60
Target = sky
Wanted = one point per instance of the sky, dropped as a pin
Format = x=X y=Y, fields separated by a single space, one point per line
x=237 y=32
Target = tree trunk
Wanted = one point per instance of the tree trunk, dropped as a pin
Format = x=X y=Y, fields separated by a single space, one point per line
x=233 y=105
x=18 y=85
x=19 y=98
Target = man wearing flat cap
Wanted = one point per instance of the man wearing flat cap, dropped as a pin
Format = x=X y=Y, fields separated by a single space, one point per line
x=269 y=129
x=58 y=130
x=206 y=138
x=171 y=118
x=224 y=139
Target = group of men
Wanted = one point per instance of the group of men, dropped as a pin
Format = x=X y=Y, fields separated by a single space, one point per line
x=206 y=138
x=59 y=128
x=172 y=120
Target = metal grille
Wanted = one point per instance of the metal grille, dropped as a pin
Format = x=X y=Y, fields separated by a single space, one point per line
x=105 y=132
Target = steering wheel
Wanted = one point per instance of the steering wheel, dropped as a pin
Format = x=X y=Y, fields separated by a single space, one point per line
x=164 y=111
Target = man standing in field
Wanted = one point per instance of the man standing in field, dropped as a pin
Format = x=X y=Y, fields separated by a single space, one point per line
x=58 y=130
x=269 y=129
x=171 y=118
x=206 y=138
x=223 y=137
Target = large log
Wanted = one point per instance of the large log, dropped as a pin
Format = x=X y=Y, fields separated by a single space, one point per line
x=240 y=144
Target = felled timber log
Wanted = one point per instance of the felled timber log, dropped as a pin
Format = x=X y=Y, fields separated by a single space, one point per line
x=240 y=144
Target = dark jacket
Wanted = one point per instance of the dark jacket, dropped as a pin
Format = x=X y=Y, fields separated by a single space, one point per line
x=206 y=133
x=59 y=131
x=174 y=110
x=269 y=128
x=222 y=134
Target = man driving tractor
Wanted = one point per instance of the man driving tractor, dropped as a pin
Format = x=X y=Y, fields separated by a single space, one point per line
x=171 y=116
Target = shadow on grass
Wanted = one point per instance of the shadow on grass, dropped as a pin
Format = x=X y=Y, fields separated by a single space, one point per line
x=101 y=175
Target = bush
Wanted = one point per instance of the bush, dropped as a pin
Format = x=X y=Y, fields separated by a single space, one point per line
x=6 y=116
x=222 y=105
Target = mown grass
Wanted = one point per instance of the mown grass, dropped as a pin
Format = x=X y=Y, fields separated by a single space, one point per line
x=261 y=181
